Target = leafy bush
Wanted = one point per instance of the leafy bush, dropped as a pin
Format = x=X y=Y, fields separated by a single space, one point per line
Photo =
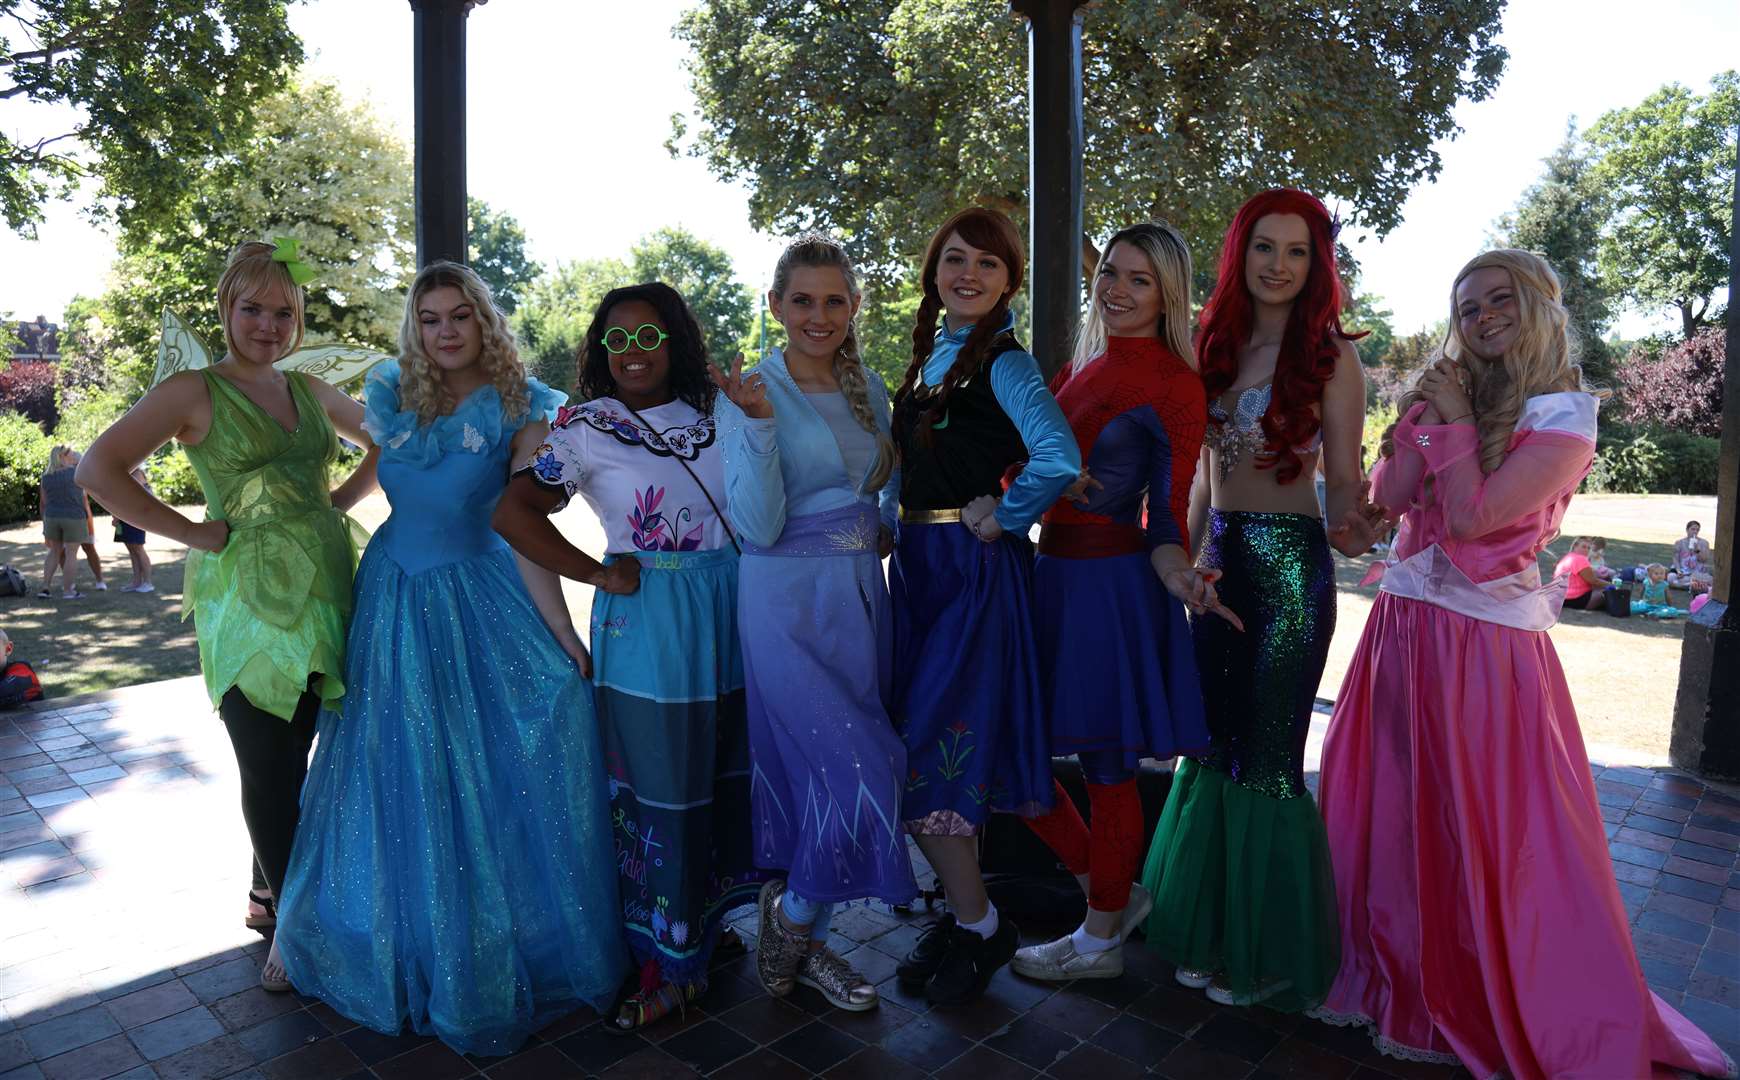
x=1677 y=387
x=1378 y=419
x=28 y=388
x=1651 y=460
x=172 y=477
x=1691 y=465
x=23 y=452
x=82 y=420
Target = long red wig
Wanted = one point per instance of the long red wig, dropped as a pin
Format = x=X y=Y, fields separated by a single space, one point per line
x=1310 y=343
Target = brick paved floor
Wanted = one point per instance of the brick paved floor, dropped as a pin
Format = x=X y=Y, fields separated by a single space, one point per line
x=123 y=866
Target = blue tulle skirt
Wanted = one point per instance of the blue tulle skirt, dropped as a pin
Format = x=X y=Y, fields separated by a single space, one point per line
x=966 y=679
x=453 y=870
x=1117 y=664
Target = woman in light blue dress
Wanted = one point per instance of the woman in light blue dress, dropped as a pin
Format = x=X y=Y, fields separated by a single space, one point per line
x=453 y=871
x=811 y=489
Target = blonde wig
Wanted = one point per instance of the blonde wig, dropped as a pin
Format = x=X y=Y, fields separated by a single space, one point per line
x=1169 y=256
x=252 y=272
x=1540 y=361
x=421 y=389
x=815 y=250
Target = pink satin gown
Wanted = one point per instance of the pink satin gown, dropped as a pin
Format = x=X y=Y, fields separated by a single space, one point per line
x=1479 y=914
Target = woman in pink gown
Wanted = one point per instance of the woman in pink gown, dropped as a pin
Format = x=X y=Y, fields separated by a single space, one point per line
x=1480 y=918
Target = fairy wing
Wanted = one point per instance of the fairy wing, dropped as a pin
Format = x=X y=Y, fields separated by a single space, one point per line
x=336 y=364
x=180 y=348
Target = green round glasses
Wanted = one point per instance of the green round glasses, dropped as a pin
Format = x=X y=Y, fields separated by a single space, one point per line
x=646 y=337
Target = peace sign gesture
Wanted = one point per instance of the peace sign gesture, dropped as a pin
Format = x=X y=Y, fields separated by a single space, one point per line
x=747 y=392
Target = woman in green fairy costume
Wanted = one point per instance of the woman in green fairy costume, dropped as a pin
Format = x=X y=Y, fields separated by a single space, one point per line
x=269 y=570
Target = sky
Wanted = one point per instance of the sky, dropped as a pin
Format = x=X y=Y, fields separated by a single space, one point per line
x=570 y=106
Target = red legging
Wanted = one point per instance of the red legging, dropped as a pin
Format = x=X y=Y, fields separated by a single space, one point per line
x=1110 y=854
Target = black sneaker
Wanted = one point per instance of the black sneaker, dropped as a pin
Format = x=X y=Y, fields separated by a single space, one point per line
x=968 y=966
x=926 y=956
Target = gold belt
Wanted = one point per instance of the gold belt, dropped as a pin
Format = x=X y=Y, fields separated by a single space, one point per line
x=929 y=517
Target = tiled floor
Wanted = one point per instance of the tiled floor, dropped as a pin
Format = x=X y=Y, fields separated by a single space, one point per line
x=123 y=865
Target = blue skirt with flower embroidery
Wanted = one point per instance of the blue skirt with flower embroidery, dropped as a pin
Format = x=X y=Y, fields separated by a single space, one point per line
x=669 y=681
x=966 y=679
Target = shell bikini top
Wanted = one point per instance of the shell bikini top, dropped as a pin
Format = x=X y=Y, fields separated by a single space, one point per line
x=1242 y=433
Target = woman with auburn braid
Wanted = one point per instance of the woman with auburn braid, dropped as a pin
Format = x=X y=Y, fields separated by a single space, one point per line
x=972 y=408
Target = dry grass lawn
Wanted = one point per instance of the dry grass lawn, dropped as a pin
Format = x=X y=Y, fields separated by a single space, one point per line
x=1622 y=672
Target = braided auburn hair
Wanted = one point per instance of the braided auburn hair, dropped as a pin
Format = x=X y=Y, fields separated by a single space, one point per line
x=986 y=230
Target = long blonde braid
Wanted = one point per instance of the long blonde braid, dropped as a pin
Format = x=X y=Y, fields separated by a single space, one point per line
x=816 y=250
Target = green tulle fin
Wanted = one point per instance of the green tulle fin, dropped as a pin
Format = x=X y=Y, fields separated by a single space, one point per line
x=1242 y=885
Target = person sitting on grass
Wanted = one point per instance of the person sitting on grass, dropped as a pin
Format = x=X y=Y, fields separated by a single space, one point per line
x=1584 y=588
x=1655 y=603
x=18 y=682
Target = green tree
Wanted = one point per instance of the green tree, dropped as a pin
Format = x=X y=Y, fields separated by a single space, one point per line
x=703 y=273
x=1561 y=216
x=555 y=311
x=875 y=120
x=497 y=251
x=1668 y=166
x=319 y=169
x=158 y=86
x=1365 y=315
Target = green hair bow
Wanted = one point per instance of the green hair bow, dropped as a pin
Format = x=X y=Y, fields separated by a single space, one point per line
x=300 y=272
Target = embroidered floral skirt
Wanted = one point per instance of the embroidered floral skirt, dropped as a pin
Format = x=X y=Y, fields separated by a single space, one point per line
x=966 y=679
x=669 y=681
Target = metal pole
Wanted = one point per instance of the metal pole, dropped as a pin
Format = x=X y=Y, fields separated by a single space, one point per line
x=1055 y=146
x=439 y=52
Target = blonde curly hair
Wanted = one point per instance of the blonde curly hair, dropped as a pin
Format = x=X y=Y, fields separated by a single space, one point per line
x=421 y=389
x=1542 y=359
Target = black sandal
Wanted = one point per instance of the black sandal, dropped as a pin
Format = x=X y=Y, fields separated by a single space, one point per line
x=261 y=922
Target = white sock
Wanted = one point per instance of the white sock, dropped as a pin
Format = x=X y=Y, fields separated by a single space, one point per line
x=1086 y=943
x=986 y=926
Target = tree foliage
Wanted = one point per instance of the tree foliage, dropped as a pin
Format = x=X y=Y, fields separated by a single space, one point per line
x=1365 y=315
x=554 y=313
x=703 y=273
x=158 y=85
x=875 y=120
x=319 y=169
x=497 y=251
x=1679 y=387
x=1668 y=166
x=28 y=388
x=1561 y=216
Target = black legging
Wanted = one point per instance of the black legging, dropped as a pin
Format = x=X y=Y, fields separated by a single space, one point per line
x=1589 y=601
x=272 y=754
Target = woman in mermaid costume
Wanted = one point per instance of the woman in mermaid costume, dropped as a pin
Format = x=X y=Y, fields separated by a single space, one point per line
x=269 y=570
x=1244 y=904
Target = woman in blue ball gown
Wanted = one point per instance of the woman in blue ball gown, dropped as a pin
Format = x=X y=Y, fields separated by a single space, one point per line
x=453 y=871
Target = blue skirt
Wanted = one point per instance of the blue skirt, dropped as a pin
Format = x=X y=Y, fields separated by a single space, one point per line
x=1117 y=661
x=452 y=867
x=669 y=678
x=827 y=767
x=966 y=679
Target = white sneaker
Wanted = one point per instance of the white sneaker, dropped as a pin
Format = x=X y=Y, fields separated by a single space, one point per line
x=1193 y=978
x=147 y=587
x=102 y=586
x=1220 y=992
